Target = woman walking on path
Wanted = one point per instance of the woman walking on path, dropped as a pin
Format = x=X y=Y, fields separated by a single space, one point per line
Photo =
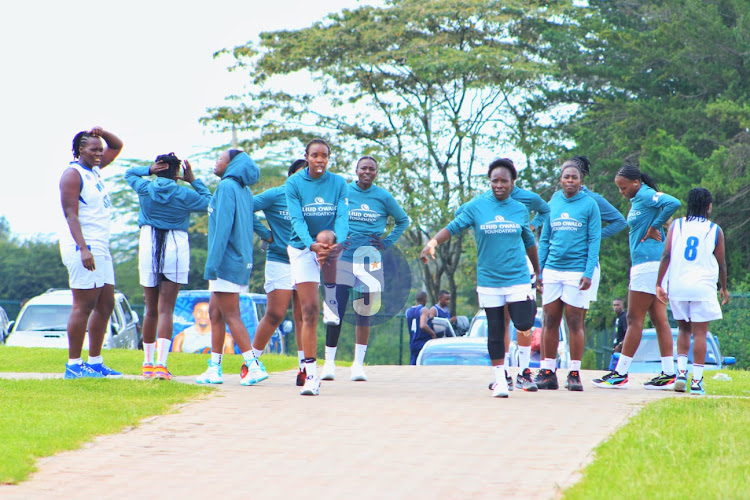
x=369 y=209
x=501 y=228
x=164 y=249
x=317 y=203
x=230 y=261
x=568 y=254
x=693 y=261
x=650 y=210
x=84 y=248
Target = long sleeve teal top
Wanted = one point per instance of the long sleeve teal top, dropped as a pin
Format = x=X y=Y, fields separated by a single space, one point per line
x=649 y=209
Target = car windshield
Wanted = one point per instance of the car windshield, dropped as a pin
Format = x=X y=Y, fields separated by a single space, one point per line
x=648 y=352
x=455 y=358
x=45 y=317
x=479 y=327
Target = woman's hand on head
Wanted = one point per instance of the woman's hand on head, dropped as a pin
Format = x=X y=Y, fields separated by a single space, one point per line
x=159 y=166
x=96 y=131
x=187 y=172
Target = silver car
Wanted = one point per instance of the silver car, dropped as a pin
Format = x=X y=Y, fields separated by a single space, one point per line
x=43 y=322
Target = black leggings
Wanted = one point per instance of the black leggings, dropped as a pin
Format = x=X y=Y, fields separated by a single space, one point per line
x=522 y=314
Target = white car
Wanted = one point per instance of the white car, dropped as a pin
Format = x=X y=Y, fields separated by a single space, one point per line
x=43 y=322
x=4 y=325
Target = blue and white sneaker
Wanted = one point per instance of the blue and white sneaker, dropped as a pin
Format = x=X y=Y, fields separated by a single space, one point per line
x=253 y=373
x=212 y=375
x=80 y=371
x=104 y=370
x=696 y=387
x=311 y=387
x=680 y=383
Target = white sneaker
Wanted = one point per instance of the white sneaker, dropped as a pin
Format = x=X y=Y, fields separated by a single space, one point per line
x=311 y=387
x=256 y=372
x=329 y=371
x=358 y=373
x=330 y=312
x=212 y=375
x=500 y=389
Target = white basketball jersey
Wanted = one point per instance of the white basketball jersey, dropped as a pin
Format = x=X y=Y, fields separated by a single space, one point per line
x=693 y=271
x=93 y=212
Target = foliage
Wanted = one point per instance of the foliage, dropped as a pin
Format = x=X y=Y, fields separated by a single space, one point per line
x=28 y=268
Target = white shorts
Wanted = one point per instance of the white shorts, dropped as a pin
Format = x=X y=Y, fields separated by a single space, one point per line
x=278 y=276
x=220 y=285
x=80 y=278
x=643 y=277
x=595 y=279
x=176 y=262
x=696 y=311
x=346 y=276
x=304 y=265
x=498 y=297
x=564 y=285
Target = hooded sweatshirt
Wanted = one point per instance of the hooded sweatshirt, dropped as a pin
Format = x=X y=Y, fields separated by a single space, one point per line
x=165 y=204
x=649 y=209
x=230 y=223
x=571 y=240
x=273 y=203
x=315 y=205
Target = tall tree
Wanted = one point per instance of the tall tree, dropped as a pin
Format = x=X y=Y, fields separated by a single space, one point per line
x=434 y=89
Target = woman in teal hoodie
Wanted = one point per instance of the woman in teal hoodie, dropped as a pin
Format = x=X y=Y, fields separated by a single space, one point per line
x=164 y=249
x=568 y=255
x=230 y=261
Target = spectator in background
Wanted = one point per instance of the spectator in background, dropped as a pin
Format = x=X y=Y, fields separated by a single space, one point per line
x=419 y=331
x=621 y=323
x=442 y=308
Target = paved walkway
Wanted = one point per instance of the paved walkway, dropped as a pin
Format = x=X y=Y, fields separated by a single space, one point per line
x=409 y=432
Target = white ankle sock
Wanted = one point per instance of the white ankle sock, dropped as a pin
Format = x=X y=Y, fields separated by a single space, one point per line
x=95 y=360
x=697 y=372
x=524 y=356
x=623 y=364
x=162 y=351
x=575 y=365
x=148 y=353
x=667 y=365
x=359 y=353
x=301 y=358
x=682 y=360
x=311 y=369
x=257 y=352
x=330 y=354
x=216 y=357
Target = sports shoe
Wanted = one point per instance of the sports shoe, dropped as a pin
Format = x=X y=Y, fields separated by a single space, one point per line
x=696 y=387
x=500 y=389
x=212 y=375
x=611 y=380
x=358 y=373
x=525 y=382
x=105 y=370
x=329 y=371
x=573 y=382
x=147 y=370
x=161 y=372
x=680 y=383
x=661 y=382
x=80 y=371
x=509 y=381
x=330 y=313
x=311 y=387
x=301 y=376
x=255 y=373
x=546 y=380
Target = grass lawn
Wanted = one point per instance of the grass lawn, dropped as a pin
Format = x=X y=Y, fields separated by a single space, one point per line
x=41 y=360
x=683 y=447
x=38 y=417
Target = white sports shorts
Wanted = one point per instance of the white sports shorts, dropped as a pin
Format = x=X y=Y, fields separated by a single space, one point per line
x=79 y=277
x=643 y=277
x=176 y=263
x=696 y=311
x=498 y=297
x=278 y=276
x=220 y=285
x=564 y=285
x=304 y=265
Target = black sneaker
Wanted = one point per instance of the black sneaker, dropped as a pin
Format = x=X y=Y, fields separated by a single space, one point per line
x=546 y=380
x=661 y=382
x=573 y=383
x=509 y=380
x=301 y=376
x=525 y=381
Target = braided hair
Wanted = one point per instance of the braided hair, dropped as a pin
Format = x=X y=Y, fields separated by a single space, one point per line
x=699 y=201
x=296 y=165
x=78 y=141
x=582 y=163
x=634 y=174
x=174 y=165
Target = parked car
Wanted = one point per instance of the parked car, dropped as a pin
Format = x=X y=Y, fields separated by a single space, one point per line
x=43 y=322
x=4 y=325
x=192 y=331
x=472 y=349
x=647 y=358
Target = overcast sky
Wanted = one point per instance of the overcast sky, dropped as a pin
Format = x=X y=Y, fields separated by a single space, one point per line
x=141 y=69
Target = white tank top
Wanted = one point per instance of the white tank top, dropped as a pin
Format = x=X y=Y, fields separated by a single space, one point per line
x=93 y=212
x=693 y=271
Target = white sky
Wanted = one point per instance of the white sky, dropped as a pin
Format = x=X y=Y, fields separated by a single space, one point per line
x=141 y=69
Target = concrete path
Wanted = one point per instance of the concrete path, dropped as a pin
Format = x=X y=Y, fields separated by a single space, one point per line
x=409 y=432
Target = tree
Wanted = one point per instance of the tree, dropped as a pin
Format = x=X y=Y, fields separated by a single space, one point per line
x=434 y=89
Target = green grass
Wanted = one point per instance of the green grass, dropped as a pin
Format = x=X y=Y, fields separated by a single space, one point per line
x=682 y=447
x=39 y=418
x=41 y=360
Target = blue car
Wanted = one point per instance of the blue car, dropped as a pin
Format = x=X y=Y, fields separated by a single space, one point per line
x=647 y=358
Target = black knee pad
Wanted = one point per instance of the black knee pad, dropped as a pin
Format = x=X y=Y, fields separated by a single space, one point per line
x=523 y=314
x=495 y=332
